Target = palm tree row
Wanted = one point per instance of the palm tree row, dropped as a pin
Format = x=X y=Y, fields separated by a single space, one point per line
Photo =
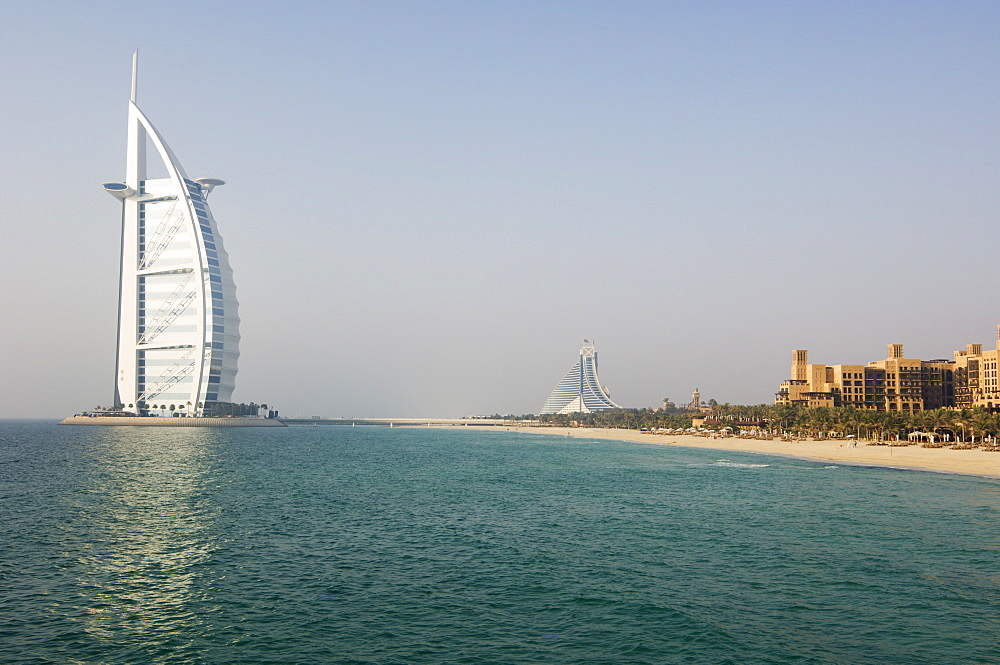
x=784 y=420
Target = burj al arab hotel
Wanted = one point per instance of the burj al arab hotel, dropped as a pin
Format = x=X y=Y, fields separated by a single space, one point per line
x=178 y=324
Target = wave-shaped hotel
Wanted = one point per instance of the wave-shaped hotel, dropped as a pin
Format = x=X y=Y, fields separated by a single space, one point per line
x=178 y=321
x=580 y=391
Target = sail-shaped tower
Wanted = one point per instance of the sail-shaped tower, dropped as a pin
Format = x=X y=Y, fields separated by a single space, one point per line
x=580 y=391
x=178 y=322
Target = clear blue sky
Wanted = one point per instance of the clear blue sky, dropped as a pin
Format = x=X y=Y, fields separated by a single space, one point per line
x=430 y=205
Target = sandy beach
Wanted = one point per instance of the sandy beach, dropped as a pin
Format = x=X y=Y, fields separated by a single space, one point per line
x=940 y=460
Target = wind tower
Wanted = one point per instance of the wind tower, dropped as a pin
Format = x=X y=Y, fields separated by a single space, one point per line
x=800 y=365
x=178 y=320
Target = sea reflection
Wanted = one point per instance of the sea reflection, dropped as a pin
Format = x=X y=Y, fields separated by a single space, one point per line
x=150 y=524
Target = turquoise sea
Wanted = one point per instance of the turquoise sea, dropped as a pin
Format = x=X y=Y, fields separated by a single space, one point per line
x=378 y=545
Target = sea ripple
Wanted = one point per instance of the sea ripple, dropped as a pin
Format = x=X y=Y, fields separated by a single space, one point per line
x=374 y=545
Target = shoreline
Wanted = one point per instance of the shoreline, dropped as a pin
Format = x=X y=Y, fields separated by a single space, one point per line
x=911 y=458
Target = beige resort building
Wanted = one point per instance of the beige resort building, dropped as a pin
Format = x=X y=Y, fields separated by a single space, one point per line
x=897 y=383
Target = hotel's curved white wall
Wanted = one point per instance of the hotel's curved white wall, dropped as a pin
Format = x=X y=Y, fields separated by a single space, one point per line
x=178 y=337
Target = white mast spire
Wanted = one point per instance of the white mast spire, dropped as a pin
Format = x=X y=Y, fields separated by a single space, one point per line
x=135 y=66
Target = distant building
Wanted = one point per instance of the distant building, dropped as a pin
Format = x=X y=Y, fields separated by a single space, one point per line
x=976 y=382
x=178 y=326
x=894 y=384
x=580 y=391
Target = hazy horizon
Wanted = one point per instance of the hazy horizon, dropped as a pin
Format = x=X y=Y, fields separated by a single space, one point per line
x=429 y=206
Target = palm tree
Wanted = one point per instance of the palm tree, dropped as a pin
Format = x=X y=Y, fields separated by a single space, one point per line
x=984 y=423
x=849 y=421
x=934 y=420
x=892 y=423
x=783 y=416
x=993 y=428
x=868 y=421
x=962 y=419
x=819 y=421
